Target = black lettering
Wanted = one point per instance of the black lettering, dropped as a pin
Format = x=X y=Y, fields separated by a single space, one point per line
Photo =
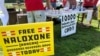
x=36 y=37
x=69 y=17
x=20 y=31
x=47 y=35
x=66 y=30
x=72 y=27
x=24 y=31
x=42 y=36
x=30 y=37
x=27 y=38
x=62 y=18
x=25 y=52
x=69 y=29
x=28 y=31
x=18 y=39
x=72 y=21
x=65 y=18
x=34 y=51
x=6 y=40
x=24 y=38
x=74 y=16
x=13 y=40
x=14 y=49
x=22 y=52
x=29 y=51
x=32 y=30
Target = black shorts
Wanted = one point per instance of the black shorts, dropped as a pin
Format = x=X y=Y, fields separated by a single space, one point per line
x=59 y=7
x=88 y=7
x=94 y=7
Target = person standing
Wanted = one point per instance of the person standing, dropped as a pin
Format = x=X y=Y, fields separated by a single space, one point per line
x=36 y=11
x=89 y=5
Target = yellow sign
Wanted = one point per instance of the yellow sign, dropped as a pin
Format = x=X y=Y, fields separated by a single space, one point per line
x=98 y=13
x=35 y=39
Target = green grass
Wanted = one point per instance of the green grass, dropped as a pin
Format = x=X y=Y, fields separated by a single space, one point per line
x=1 y=53
x=85 y=42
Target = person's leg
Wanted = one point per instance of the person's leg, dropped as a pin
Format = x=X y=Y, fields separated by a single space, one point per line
x=53 y=5
x=83 y=16
x=40 y=16
x=95 y=12
x=89 y=16
x=30 y=17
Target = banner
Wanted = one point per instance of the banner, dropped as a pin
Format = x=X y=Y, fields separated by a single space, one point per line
x=35 y=39
x=68 y=23
x=98 y=15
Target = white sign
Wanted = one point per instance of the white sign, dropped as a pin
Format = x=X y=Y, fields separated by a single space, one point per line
x=68 y=23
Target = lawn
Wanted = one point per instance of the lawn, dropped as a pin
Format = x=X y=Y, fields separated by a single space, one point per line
x=85 y=42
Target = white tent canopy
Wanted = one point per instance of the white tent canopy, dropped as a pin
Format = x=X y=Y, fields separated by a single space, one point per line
x=4 y=14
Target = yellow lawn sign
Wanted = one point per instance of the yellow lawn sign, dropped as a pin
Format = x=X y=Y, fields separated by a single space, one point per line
x=34 y=39
x=98 y=15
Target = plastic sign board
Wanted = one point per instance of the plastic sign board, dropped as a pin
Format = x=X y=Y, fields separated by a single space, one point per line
x=68 y=23
x=98 y=15
x=35 y=39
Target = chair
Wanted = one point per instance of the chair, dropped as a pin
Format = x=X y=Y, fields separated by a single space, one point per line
x=22 y=16
x=12 y=16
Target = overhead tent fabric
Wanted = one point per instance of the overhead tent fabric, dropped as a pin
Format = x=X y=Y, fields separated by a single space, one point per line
x=98 y=3
x=4 y=14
